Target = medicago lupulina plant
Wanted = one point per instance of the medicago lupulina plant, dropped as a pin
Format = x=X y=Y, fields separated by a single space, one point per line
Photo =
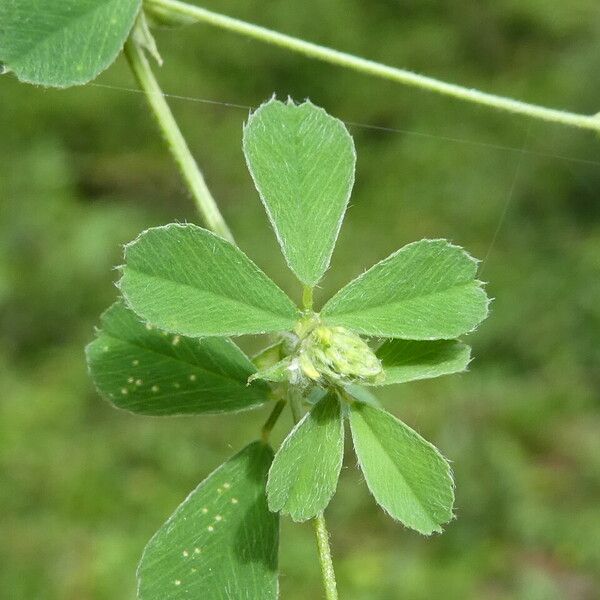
x=165 y=349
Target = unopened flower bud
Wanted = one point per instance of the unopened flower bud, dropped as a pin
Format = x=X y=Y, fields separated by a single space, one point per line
x=337 y=354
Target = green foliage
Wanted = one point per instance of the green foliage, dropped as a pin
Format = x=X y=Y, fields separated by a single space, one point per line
x=521 y=428
x=306 y=468
x=189 y=281
x=409 y=360
x=222 y=540
x=302 y=162
x=60 y=43
x=424 y=291
x=408 y=477
x=144 y=370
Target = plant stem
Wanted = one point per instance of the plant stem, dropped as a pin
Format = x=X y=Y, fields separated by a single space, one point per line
x=325 y=557
x=175 y=141
x=307 y=297
x=270 y=422
x=370 y=67
x=319 y=524
x=294 y=396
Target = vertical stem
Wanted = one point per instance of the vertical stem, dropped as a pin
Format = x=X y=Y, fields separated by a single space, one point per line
x=175 y=141
x=295 y=396
x=307 y=297
x=319 y=524
x=325 y=557
x=270 y=423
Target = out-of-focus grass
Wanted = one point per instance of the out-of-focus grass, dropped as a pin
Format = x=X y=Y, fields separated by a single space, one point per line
x=83 y=486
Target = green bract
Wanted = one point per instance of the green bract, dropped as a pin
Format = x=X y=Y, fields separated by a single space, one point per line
x=60 y=43
x=164 y=349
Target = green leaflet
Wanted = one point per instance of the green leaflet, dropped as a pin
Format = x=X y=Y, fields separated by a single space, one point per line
x=408 y=476
x=221 y=543
x=302 y=162
x=306 y=468
x=408 y=360
x=425 y=291
x=60 y=43
x=150 y=372
x=187 y=280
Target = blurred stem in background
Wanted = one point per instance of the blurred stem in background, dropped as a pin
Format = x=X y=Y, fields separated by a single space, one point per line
x=182 y=12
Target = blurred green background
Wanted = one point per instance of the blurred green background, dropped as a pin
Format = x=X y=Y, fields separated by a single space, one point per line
x=84 y=486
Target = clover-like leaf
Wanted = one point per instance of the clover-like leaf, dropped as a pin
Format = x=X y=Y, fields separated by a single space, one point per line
x=409 y=360
x=187 y=280
x=302 y=162
x=407 y=475
x=145 y=370
x=306 y=468
x=60 y=43
x=425 y=291
x=222 y=542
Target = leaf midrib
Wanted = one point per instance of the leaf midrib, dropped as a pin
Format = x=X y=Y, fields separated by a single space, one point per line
x=216 y=294
x=398 y=302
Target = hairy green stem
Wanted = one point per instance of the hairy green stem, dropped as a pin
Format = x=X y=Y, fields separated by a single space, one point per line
x=175 y=8
x=325 y=557
x=175 y=141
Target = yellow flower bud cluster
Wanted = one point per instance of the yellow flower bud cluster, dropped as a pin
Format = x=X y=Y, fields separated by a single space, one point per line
x=339 y=356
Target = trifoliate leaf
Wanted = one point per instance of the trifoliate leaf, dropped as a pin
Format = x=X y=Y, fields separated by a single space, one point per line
x=302 y=162
x=306 y=468
x=187 y=280
x=145 y=370
x=408 y=476
x=408 y=360
x=221 y=542
x=425 y=291
x=60 y=43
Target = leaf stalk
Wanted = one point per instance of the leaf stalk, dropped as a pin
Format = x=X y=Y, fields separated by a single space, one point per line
x=270 y=422
x=324 y=550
